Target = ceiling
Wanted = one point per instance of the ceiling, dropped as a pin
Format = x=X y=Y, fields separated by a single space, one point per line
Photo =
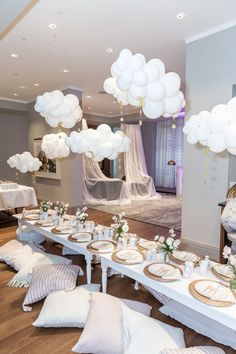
x=84 y=29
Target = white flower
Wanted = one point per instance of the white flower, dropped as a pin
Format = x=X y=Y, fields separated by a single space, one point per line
x=232 y=260
x=226 y=252
x=125 y=228
x=176 y=243
x=169 y=241
x=156 y=238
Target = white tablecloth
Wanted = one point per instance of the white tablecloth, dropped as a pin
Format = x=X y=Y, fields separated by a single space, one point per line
x=15 y=198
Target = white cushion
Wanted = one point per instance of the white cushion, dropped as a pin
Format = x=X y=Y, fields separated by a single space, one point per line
x=24 y=276
x=143 y=334
x=65 y=309
x=141 y=307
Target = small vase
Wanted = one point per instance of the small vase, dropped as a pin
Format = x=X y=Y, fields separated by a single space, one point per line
x=166 y=257
x=60 y=220
x=43 y=215
x=233 y=283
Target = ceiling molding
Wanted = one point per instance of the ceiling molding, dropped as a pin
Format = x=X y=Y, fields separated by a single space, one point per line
x=12 y=100
x=210 y=32
x=18 y=18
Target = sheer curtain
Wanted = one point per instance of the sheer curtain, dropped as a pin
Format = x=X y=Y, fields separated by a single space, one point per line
x=169 y=146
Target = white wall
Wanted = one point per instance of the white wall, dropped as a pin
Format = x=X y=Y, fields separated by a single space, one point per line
x=210 y=73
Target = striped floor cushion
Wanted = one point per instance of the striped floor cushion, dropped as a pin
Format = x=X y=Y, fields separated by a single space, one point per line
x=50 y=277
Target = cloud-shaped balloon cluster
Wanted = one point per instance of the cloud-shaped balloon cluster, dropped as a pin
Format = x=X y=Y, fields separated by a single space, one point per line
x=54 y=145
x=24 y=162
x=58 y=109
x=110 y=87
x=146 y=84
x=215 y=129
x=99 y=143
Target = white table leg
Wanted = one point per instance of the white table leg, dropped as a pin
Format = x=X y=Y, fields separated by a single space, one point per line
x=88 y=259
x=122 y=275
x=136 y=285
x=19 y=237
x=104 y=278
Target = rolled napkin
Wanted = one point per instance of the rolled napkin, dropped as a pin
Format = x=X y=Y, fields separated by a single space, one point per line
x=185 y=256
x=103 y=246
x=147 y=244
x=165 y=271
x=130 y=256
x=224 y=270
x=215 y=291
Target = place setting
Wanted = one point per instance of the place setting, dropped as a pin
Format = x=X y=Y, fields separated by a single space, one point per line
x=163 y=272
x=81 y=237
x=63 y=229
x=222 y=271
x=31 y=215
x=128 y=256
x=181 y=257
x=146 y=245
x=101 y=246
x=212 y=292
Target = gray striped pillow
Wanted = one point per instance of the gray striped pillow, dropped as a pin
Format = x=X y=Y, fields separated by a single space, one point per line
x=50 y=277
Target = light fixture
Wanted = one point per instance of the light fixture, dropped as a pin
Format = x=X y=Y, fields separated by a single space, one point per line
x=36 y=84
x=109 y=50
x=52 y=26
x=89 y=107
x=110 y=112
x=14 y=55
x=181 y=15
x=22 y=87
x=65 y=70
x=114 y=102
x=88 y=96
x=15 y=94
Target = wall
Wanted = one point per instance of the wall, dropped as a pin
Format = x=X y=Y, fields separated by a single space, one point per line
x=14 y=139
x=210 y=73
x=69 y=187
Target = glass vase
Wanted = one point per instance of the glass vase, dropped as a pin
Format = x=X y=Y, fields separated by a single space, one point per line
x=166 y=257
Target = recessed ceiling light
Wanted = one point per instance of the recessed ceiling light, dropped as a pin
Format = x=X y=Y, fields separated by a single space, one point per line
x=52 y=26
x=89 y=107
x=109 y=50
x=14 y=55
x=22 y=87
x=15 y=94
x=65 y=70
x=181 y=15
x=114 y=102
x=110 y=112
x=36 y=84
x=88 y=96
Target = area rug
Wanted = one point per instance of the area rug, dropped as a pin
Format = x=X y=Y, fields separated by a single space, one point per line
x=164 y=212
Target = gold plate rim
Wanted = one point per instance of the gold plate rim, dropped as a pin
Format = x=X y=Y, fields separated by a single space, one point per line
x=156 y=277
x=70 y=238
x=93 y=250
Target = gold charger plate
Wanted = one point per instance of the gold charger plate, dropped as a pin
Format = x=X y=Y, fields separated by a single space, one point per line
x=72 y=239
x=55 y=231
x=142 y=248
x=220 y=276
x=179 y=261
x=206 y=299
x=27 y=217
x=122 y=261
x=158 y=278
x=97 y=251
x=49 y=224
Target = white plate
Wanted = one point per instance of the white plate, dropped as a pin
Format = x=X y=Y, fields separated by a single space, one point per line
x=45 y=223
x=129 y=255
x=214 y=291
x=223 y=270
x=64 y=229
x=82 y=236
x=159 y=269
x=32 y=216
x=185 y=256
x=148 y=245
x=102 y=245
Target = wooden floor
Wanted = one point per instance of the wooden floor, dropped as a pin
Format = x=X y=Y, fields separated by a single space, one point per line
x=17 y=335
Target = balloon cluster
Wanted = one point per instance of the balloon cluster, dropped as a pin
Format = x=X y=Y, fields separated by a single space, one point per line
x=58 y=109
x=110 y=87
x=24 y=162
x=54 y=145
x=215 y=129
x=146 y=84
x=99 y=143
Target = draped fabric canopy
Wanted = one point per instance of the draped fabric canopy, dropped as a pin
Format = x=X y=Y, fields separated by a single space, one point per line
x=99 y=189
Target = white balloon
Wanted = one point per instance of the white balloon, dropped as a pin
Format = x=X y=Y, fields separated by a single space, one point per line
x=153 y=72
x=114 y=70
x=232 y=150
x=138 y=91
x=152 y=109
x=109 y=84
x=104 y=130
x=122 y=85
x=127 y=76
x=137 y=62
x=105 y=149
x=216 y=143
x=125 y=53
x=133 y=101
x=159 y=64
x=140 y=78
x=172 y=83
x=230 y=136
x=122 y=64
x=156 y=91
x=172 y=104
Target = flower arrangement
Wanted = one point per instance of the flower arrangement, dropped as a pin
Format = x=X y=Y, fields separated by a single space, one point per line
x=45 y=206
x=232 y=263
x=81 y=215
x=61 y=208
x=121 y=225
x=167 y=245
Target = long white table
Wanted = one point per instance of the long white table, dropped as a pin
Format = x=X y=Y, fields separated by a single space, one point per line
x=177 y=290
x=22 y=196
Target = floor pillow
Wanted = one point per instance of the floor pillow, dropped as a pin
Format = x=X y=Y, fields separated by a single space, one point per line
x=8 y=248
x=24 y=276
x=138 y=306
x=194 y=350
x=50 y=277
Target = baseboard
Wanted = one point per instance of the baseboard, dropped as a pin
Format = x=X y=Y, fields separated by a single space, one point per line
x=200 y=248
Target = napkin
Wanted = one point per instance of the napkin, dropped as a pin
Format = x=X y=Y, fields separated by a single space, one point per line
x=64 y=228
x=103 y=246
x=147 y=244
x=223 y=270
x=32 y=216
x=185 y=256
x=45 y=222
x=165 y=271
x=215 y=291
x=130 y=256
